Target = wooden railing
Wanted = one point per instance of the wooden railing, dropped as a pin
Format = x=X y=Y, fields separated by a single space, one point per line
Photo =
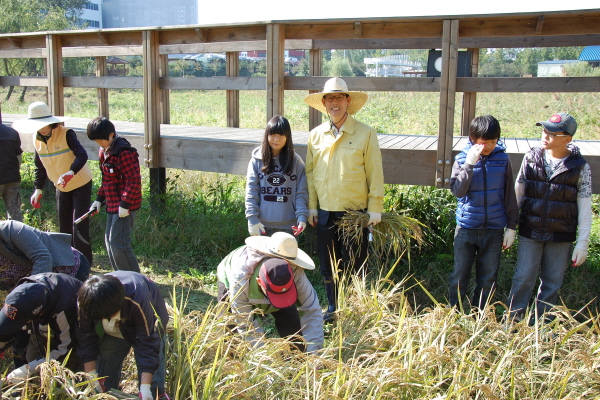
x=154 y=44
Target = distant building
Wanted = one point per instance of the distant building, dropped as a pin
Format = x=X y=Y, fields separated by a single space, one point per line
x=395 y=65
x=91 y=17
x=141 y=13
x=591 y=54
x=553 y=68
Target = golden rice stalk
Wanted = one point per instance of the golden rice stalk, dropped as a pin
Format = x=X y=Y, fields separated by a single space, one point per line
x=394 y=232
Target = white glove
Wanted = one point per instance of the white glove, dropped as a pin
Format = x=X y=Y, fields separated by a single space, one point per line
x=312 y=216
x=299 y=229
x=374 y=218
x=65 y=178
x=18 y=375
x=256 y=229
x=95 y=381
x=473 y=154
x=36 y=198
x=96 y=206
x=123 y=212
x=579 y=256
x=145 y=392
x=509 y=238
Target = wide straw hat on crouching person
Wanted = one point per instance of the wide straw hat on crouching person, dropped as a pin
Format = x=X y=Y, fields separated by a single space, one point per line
x=337 y=85
x=281 y=245
x=38 y=116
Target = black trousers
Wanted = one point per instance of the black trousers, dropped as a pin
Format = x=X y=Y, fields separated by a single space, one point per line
x=349 y=257
x=287 y=320
x=72 y=205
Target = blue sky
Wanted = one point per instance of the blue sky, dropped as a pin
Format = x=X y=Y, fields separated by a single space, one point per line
x=264 y=10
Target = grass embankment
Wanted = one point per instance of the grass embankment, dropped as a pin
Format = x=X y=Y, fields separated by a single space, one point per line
x=407 y=113
x=394 y=338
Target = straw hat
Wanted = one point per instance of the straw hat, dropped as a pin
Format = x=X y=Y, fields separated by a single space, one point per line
x=38 y=116
x=337 y=85
x=281 y=245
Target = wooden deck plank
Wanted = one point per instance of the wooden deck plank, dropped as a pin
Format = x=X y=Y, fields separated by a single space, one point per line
x=398 y=142
x=407 y=159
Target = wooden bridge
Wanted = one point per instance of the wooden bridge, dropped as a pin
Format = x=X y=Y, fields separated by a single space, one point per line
x=422 y=160
x=407 y=159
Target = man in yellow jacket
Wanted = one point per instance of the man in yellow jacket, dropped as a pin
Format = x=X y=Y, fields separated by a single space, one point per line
x=344 y=172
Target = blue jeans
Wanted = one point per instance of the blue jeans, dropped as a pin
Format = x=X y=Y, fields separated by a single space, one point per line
x=484 y=247
x=112 y=353
x=551 y=260
x=118 y=242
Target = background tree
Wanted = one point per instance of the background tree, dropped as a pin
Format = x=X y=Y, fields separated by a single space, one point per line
x=33 y=16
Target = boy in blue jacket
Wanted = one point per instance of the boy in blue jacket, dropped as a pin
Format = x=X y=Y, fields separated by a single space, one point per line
x=482 y=180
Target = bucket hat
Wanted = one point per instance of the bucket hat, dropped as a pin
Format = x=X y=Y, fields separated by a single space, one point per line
x=281 y=245
x=561 y=122
x=38 y=116
x=276 y=278
x=337 y=85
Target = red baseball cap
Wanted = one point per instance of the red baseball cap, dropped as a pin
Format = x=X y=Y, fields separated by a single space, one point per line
x=277 y=280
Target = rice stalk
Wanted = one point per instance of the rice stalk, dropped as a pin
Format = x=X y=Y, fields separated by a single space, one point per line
x=393 y=234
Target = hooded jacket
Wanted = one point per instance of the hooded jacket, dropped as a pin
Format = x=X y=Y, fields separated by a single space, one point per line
x=121 y=179
x=236 y=271
x=276 y=200
x=139 y=325
x=58 y=315
x=549 y=211
x=483 y=189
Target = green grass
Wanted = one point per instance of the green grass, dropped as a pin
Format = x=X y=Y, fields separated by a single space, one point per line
x=394 y=337
x=408 y=113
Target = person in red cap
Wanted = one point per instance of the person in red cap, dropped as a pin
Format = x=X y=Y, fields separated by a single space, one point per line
x=268 y=273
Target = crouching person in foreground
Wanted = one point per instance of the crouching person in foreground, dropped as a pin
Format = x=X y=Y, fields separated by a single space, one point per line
x=132 y=313
x=41 y=304
x=268 y=273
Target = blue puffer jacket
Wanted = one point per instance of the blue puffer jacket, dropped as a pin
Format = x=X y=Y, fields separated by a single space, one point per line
x=483 y=206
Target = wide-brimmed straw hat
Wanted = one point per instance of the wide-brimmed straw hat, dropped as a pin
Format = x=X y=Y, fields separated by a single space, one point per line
x=337 y=85
x=281 y=245
x=38 y=116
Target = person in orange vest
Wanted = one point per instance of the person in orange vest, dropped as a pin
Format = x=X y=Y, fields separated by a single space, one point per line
x=60 y=157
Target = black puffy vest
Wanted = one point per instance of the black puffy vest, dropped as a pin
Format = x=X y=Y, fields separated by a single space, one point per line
x=549 y=210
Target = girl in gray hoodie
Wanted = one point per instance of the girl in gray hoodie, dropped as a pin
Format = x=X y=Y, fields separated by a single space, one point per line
x=276 y=188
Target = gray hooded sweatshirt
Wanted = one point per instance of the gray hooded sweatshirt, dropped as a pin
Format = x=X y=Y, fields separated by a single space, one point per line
x=277 y=200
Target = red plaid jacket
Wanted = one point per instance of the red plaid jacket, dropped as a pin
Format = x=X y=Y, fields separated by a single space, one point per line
x=121 y=179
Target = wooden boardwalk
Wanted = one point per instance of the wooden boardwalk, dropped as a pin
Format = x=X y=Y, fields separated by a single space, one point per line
x=407 y=159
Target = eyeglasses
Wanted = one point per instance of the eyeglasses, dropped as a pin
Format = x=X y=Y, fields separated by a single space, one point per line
x=552 y=135
x=337 y=97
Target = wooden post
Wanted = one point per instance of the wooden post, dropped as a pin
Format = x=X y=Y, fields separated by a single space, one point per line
x=54 y=70
x=315 y=69
x=447 y=103
x=469 y=98
x=101 y=70
x=151 y=57
x=275 y=69
x=164 y=100
x=233 y=96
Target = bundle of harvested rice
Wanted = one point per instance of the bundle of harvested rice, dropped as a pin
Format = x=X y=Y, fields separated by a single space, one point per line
x=393 y=233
